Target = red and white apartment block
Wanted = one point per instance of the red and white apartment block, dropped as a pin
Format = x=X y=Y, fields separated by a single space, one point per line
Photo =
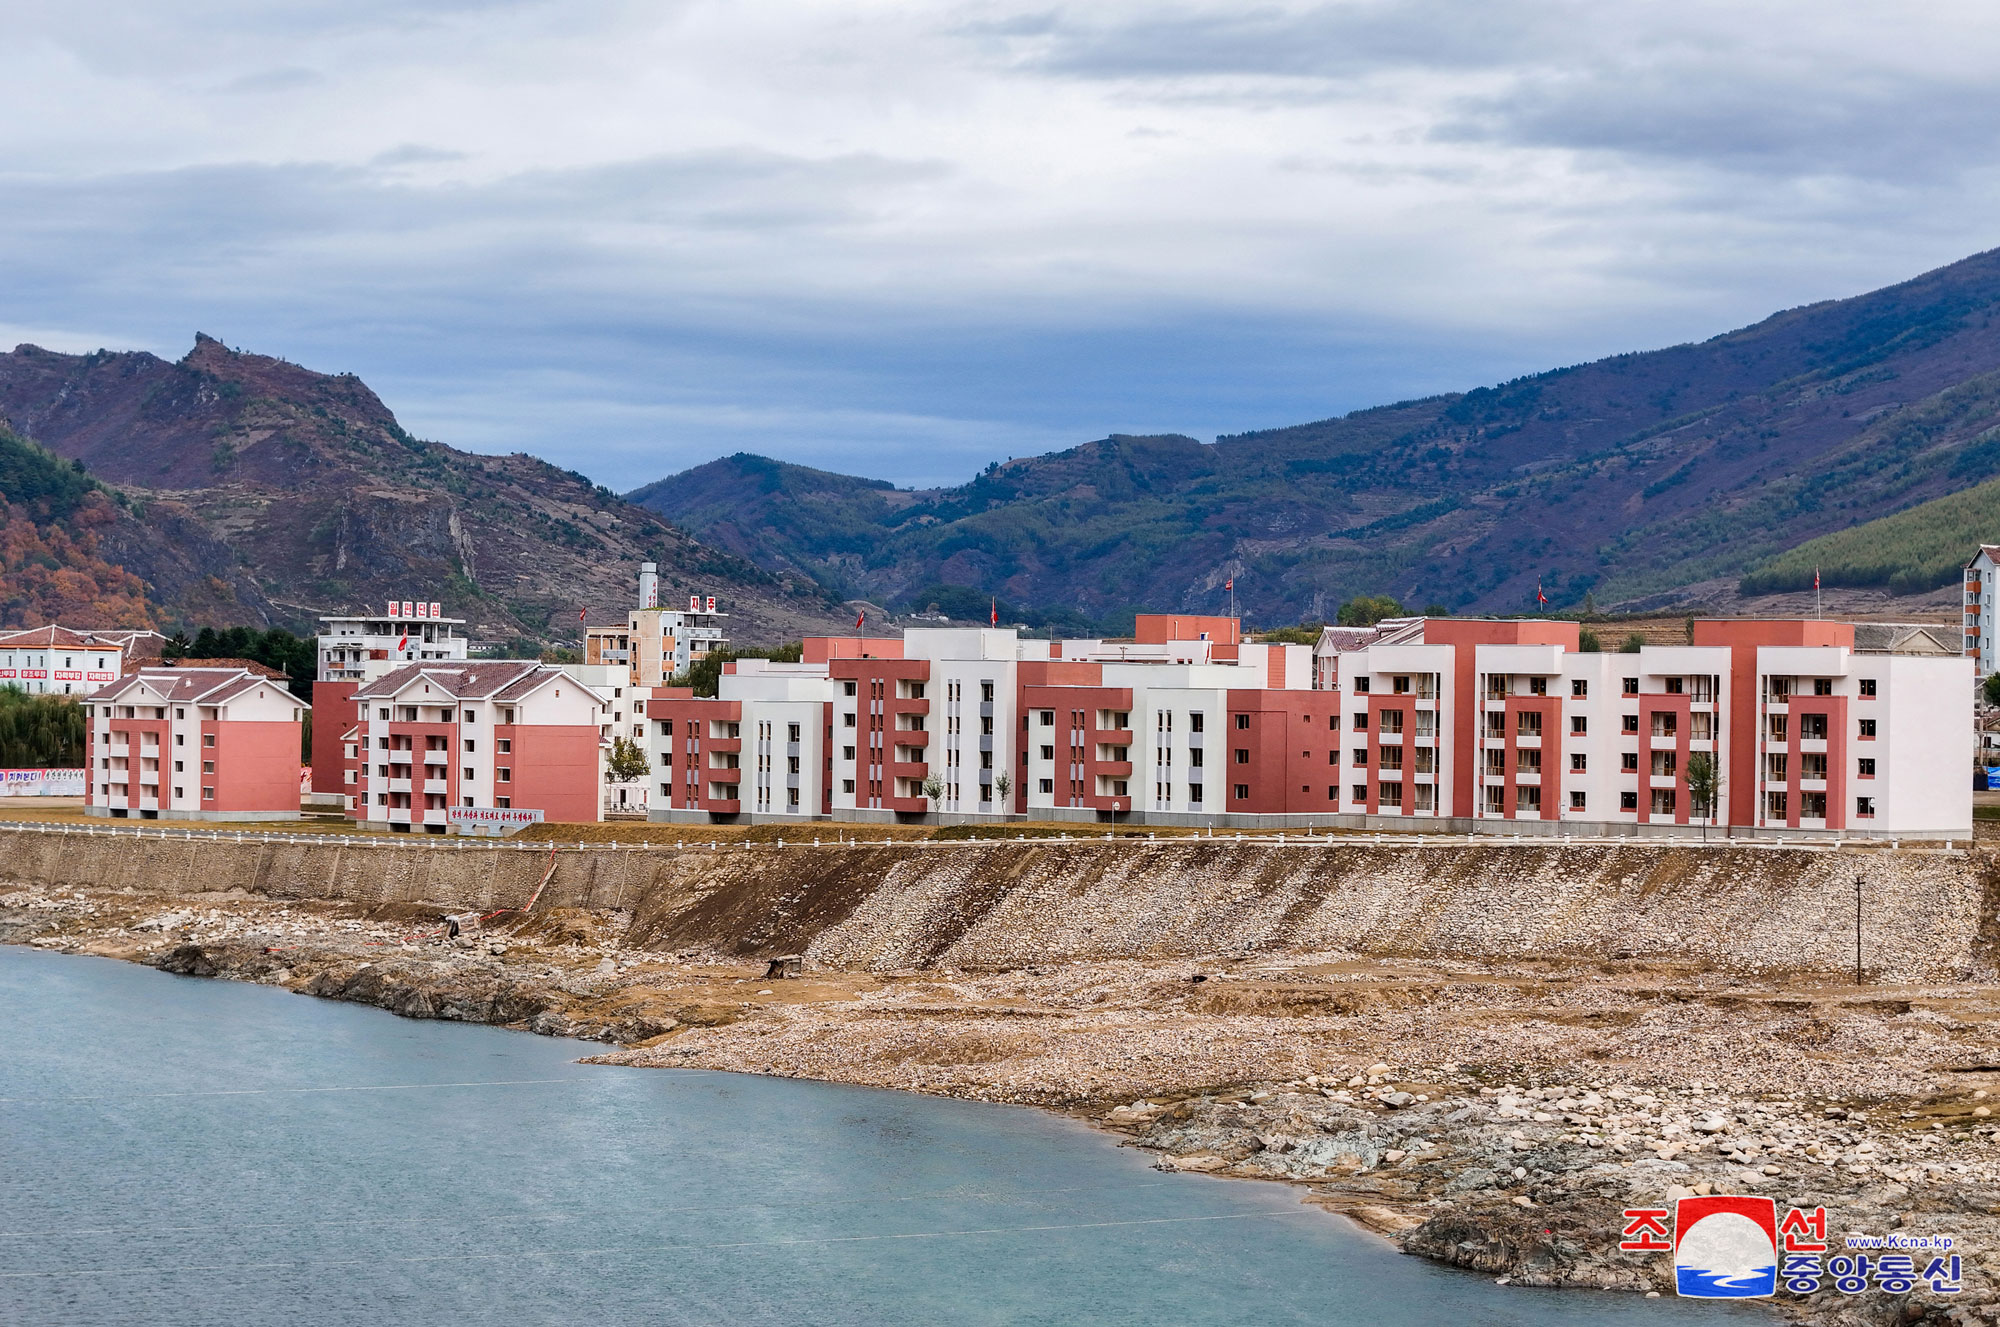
x=193 y=744
x=58 y=661
x=431 y=739
x=1451 y=724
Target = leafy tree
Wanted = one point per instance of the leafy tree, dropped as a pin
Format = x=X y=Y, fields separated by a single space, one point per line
x=1587 y=641
x=1367 y=609
x=297 y=657
x=1305 y=633
x=1002 y=787
x=934 y=790
x=705 y=673
x=627 y=762
x=1633 y=643
x=176 y=647
x=1991 y=688
x=40 y=732
x=1702 y=779
x=1436 y=610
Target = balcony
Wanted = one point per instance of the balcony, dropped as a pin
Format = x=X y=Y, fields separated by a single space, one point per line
x=915 y=737
x=723 y=745
x=1812 y=746
x=402 y=756
x=1113 y=736
x=437 y=757
x=1812 y=785
x=1113 y=769
x=437 y=817
x=399 y=785
x=1663 y=742
x=1528 y=741
x=436 y=786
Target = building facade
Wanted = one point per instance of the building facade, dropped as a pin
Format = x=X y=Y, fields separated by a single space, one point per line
x=1462 y=724
x=657 y=641
x=59 y=661
x=193 y=744
x=1982 y=603
x=430 y=738
x=359 y=649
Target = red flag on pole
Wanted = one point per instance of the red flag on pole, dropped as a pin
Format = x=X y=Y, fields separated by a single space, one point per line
x=1229 y=584
x=1540 y=598
x=580 y=613
x=859 y=618
x=993 y=612
x=1815 y=580
x=403 y=645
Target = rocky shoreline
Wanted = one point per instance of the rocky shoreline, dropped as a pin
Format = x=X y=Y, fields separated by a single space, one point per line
x=1496 y=1117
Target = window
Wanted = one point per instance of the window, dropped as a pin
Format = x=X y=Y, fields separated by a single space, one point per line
x=471 y=716
x=1579 y=689
x=1048 y=785
x=506 y=745
x=1665 y=725
x=207 y=766
x=504 y=774
x=1400 y=685
x=1538 y=686
x=1578 y=762
x=1663 y=764
x=847 y=721
x=1775 y=764
x=179 y=791
x=1579 y=725
x=1242 y=792
x=1812 y=727
x=1674 y=686
x=1628 y=762
x=1333 y=723
x=382 y=713
x=1576 y=800
x=1194 y=756
x=1868 y=729
x=1528 y=723
x=1392 y=796
x=1528 y=798
x=1629 y=724
x=1867 y=686
x=1496 y=801
x=1663 y=801
x=1360 y=724
x=1242 y=756
x=1194 y=792
x=467 y=774
x=1496 y=763
x=1628 y=801
x=1359 y=757
x=1392 y=721
x=1629 y=686
x=1775 y=805
x=1392 y=758
x=1822 y=686
x=1048 y=718
x=1812 y=806
x=1864 y=808
x=503 y=802
x=1865 y=767
x=1242 y=721
x=1361 y=685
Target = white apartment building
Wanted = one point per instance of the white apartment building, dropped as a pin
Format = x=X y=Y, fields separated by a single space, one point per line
x=59 y=661
x=1982 y=601
x=370 y=645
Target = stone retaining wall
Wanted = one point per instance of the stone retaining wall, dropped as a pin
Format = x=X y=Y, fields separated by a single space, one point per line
x=990 y=905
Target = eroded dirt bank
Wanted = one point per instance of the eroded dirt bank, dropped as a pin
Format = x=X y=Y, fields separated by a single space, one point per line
x=1489 y=1091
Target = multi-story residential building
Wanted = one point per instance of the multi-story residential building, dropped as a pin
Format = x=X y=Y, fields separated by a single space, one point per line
x=60 y=661
x=656 y=642
x=194 y=744
x=1982 y=603
x=359 y=649
x=1458 y=723
x=487 y=735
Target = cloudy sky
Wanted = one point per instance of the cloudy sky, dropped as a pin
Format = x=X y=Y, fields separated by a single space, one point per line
x=902 y=239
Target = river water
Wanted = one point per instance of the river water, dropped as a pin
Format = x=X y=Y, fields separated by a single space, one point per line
x=188 y=1151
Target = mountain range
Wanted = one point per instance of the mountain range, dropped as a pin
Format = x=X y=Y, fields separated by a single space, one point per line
x=238 y=489
x=1655 y=480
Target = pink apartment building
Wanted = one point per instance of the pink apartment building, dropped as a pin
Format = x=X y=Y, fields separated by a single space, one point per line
x=194 y=744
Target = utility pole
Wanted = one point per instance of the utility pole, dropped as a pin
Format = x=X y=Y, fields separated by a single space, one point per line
x=1857 y=930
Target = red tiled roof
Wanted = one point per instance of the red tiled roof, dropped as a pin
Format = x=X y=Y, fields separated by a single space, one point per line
x=207 y=686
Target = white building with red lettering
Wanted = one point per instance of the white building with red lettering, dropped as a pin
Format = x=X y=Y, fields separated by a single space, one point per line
x=507 y=735
x=173 y=743
x=360 y=648
x=61 y=661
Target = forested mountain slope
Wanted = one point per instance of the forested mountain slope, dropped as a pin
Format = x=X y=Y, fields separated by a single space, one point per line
x=1652 y=478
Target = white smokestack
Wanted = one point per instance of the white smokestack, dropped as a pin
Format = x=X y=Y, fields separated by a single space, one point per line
x=649 y=585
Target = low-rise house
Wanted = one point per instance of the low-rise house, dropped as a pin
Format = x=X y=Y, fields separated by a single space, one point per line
x=193 y=743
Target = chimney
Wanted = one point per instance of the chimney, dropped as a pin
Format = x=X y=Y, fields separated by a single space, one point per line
x=649 y=585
